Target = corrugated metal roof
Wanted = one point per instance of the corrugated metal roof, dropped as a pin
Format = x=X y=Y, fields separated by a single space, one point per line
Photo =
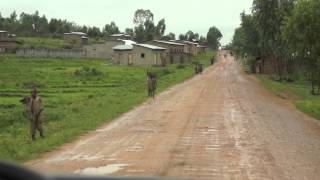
x=77 y=33
x=151 y=46
x=169 y=42
x=127 y=42
x=189 y=42
x=119 y=35
x=123 y=47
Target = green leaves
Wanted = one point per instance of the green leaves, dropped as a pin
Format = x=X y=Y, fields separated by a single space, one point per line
x=213 y=37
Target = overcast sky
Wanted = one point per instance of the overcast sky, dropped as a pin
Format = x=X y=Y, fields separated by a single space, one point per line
x=180 y=15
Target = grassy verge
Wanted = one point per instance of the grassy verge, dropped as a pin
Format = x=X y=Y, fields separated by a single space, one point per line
x=298 y=92
x=79 y=95
x=41 y=42
x=53 y=43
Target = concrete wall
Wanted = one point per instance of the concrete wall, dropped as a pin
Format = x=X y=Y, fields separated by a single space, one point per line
x=201 y=50
x=134 y=57
x=192 y=49
x=97 y=51
x=101 y=51
x=178 y=58
x=51 y=53
x=174 y=53
x=9 y=44
x=75 y=39
x=3 y=36
x=169 y=48
x=72 y=38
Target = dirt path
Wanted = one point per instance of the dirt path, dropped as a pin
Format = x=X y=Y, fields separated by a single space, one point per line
x=218 y=125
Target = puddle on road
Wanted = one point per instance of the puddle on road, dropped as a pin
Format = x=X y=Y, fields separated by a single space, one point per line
x=213 y=130
x=69 y=157
x=103 y=170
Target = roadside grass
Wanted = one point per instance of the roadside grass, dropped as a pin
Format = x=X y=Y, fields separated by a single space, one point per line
x=298 y=93
x=79 y=95
x=41 y=42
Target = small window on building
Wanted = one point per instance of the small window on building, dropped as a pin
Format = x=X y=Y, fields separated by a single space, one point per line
x=142 y=55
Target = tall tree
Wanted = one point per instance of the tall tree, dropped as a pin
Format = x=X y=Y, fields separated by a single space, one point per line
x=191 y=36
x=94 y=32
x=129 y=31
x=213 y=37
x=1 y=22
x=302 y=32
x=144 y=25
x=111 y=28
x=202 y=40
x=170 y=36
x=160 y=28
x=142 y=16
x=183 y=37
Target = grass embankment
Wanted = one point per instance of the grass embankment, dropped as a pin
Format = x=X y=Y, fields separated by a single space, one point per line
x=52 y=43
x=79 y=95
x=298 y=93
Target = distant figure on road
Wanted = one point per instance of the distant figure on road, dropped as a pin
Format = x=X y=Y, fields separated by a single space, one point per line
x=198 y=68
x=34 y=108
x=152 y=84
x=212 y=60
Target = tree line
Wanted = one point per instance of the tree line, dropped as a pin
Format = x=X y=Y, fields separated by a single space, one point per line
x=144 y=28
x=286 y=33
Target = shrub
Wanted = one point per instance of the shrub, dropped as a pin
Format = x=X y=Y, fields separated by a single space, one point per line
x=88 y=72
x=86 y=69
x=195 y=62
x=181 y=66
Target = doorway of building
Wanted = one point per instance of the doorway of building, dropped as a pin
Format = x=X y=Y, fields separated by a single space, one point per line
x=130 y=59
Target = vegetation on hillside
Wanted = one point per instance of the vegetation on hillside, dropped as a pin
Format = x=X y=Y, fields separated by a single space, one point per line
x=51 y=43
x=34 y=25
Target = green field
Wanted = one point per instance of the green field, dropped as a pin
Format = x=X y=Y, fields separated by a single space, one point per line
x=38 y=42
x=299 y=93
x=79 y=95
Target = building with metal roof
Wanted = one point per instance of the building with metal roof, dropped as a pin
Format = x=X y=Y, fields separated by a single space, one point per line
x=7 y=41
x=123 y=47
x=139 y=55
x=149 y=46
x=190 y=47
x=175 y=52
x=119 y=36
x=201 y=49
x=168 y=42
x=78 y=38
x=127 y=42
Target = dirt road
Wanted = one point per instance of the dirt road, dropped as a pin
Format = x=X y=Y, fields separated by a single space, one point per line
x=218 y=125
